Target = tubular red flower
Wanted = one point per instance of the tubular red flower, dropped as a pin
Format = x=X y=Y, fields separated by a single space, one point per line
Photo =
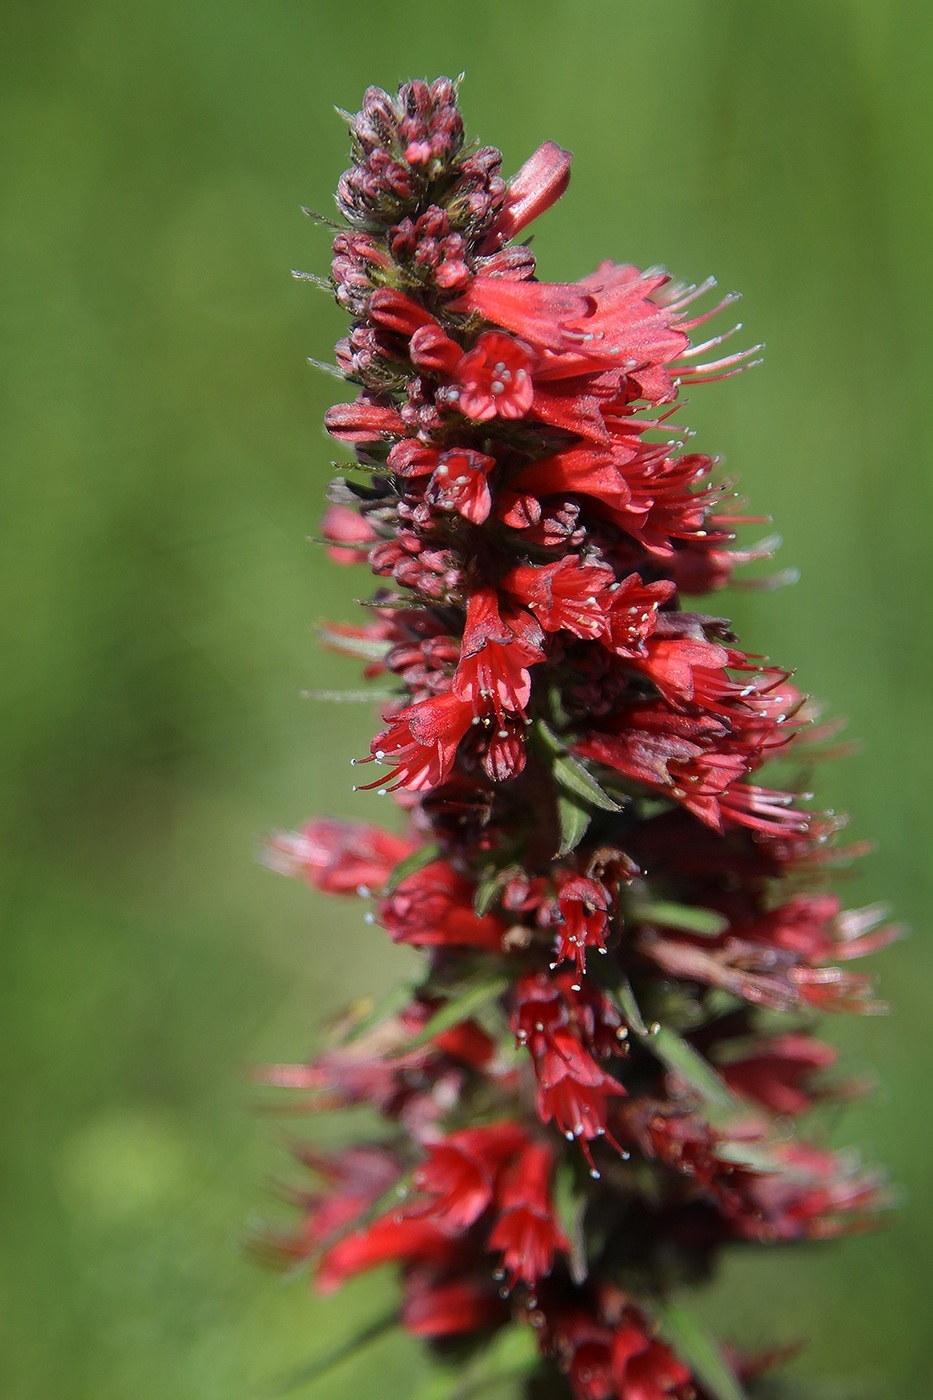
x=459 y=484
x=421 y=742
x=777 y=1073
x=493 y=672
x=338 y=857
x=434 y=907
x=585 y=906
x=460 y=1173
x=539 y=184
x=566 y=596
x=526 y=1232
x=495 y=378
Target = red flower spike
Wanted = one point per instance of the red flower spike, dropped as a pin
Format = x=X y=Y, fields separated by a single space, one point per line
x=534 y=520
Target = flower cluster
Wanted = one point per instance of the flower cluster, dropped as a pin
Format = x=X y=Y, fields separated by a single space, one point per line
x=591 y=1091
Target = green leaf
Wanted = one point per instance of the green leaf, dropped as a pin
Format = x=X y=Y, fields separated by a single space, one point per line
x=458 y=1009
x=488 y=890
x=548 y=738
x=695 y=1345
x=418 y=859
x=569 y=1207
x=571 y=774
x=576 y=779
x=754 y=1156
x=629 y=1007
x=690 y=918
x=341 y=1352
x=574 y=820
x=380 y=1011
x=511 y=1355
x=694 y=1068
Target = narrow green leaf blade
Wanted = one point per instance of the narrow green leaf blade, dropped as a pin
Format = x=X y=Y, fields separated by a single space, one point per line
x=682 y=1059
x=569 y=1207
x=576 y=779
x=486 y=892
x=389 y=1005
x=458 y=1009
x=304 y=1375
x=690 y=918
x=629 y=1007
x=349 y=697
x=548 y=738
x=574 y=820
x=418 y=859
x=695 y=1345
x=510 y=1356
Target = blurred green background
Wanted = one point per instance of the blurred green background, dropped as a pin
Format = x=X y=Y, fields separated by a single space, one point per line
x=163 y=464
